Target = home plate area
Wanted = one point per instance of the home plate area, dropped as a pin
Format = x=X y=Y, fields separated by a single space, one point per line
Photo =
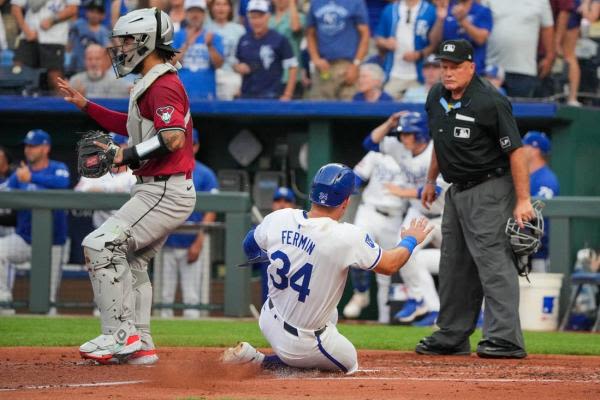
x=197 y=373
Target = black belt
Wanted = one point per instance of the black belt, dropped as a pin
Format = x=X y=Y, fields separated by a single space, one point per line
x=498 y=172
x=157 y=178
x=294 y=331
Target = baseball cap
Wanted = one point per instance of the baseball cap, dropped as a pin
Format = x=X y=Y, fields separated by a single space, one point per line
x=118 y=139
x=195 y=136
x=494 y=71
x=37 y=137
x=201 y=4
x=538 y=140
x=431 y=60
x=458 y=51
x=259 y=5
x=284 y=193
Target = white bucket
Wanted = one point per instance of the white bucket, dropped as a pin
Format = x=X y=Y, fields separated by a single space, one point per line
x=539 y=303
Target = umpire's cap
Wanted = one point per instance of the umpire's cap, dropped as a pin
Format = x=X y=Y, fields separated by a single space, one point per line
x=332 y=184
x=458 y=51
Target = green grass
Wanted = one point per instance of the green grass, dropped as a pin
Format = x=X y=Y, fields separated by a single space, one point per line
x=72 y=331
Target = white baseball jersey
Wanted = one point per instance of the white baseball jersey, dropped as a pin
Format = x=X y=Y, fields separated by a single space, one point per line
x=414 y=169
x=309 y=261
x=379 y=168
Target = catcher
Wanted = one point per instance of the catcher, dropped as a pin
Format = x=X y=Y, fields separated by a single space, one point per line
x=159 y=127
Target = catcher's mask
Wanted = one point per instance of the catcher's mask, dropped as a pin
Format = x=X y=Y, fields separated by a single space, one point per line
x=138 y=34
x=527 y=240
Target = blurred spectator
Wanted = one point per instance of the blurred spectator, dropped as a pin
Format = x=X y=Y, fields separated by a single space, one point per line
x=37 y=173
x=119 y=180
x=338 y=39
x=106 y=6
x=283 y=197
x=177 y=14
x=469 y=20
x=98 y=81
x=122 y=7
x=431 y=75
x=590 y=10
x=3 y=41
x=513 y=43
x=181 y=253
x=87 y=31
x=406 y=34
x=567 y=21
x=242 y=12
x=370 y=83
x=263 y=55
x=375 y=10
x=495 y=75
x=289 y=22
x=543 y=185
x=229 y=82
x=200 y=52
x=44 y=34
x=7 y=216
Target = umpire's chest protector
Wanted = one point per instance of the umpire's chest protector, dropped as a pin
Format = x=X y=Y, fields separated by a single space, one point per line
x=138 y=127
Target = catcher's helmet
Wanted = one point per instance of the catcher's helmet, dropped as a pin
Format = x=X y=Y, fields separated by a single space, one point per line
x=537 y=139
x=413 y=122
x=332 y=184
x=526 y=241
x=140 y=32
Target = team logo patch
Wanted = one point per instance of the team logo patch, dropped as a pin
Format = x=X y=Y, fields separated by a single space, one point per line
x=165 y=113
x=369 y=241
x=462 y=133
x=505 y=142
x=449 y=47
x=322 y=197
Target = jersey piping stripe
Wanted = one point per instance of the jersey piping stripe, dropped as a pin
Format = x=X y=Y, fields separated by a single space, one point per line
x=329 y=356
x=153 y=207
x=376 y=260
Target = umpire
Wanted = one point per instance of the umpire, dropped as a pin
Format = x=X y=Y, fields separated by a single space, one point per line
x=477 y=147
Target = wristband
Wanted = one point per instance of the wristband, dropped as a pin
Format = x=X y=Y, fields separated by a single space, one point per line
x=409 y=242
x=356 y=62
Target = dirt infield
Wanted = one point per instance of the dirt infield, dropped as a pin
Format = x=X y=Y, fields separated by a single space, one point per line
x=58 y=373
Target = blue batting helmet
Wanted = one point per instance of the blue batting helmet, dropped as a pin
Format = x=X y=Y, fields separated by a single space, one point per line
x=332 y=184
x=537 y=139
x=413 y=122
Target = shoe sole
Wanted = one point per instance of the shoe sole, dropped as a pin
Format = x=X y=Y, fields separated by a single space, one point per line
x=143 y=357
x=435 y=353
x=503 y=356
x=133 y=344
x=418 y=313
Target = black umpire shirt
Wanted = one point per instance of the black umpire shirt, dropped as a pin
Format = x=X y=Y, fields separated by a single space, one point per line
x=472 y=136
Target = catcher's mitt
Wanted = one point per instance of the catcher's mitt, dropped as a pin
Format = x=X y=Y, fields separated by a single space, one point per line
x=92 y=160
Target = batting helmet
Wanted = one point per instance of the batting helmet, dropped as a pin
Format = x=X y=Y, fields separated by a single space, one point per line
x=537 y=139
x=332 y=184
x=526 y=241
x=150 y=29
x=413 y=122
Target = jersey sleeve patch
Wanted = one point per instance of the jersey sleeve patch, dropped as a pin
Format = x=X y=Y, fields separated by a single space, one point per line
x=165 y=113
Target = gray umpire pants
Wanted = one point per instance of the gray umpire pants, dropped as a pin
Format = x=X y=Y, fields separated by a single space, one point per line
x=477 y=263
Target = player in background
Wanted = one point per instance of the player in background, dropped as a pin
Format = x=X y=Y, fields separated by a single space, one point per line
x=8 y=217
x=181 y=253
x=380 y=214
x=310 y=253
x=410 y=146
x=38 y=172
x=159 y=127
x=543 y=184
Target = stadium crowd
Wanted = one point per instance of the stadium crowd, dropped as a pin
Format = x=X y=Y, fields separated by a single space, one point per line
x=362 y=50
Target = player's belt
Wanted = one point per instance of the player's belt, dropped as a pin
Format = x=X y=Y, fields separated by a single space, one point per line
x=385 y=213
x=149 y=179
x=294 y=331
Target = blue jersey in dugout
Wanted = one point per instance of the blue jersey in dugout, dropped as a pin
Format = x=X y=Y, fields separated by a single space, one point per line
x=335 y=24
x=205 y=180
x=543 y=185
x=54 y=176
x=198 y=74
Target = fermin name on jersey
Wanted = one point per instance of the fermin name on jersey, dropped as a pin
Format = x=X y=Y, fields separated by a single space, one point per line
x=298 y=240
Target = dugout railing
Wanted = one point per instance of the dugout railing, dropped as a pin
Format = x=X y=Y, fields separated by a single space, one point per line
x=234 y=206
x=561 y=212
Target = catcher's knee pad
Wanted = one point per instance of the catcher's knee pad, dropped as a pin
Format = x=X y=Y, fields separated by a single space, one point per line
x=106 y=246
